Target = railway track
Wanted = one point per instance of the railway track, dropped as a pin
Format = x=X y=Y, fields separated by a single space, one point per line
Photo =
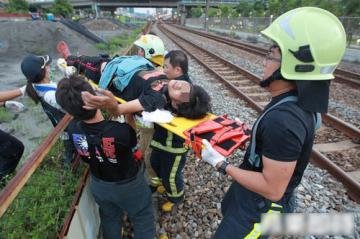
x=326 y=154
x=341 y=75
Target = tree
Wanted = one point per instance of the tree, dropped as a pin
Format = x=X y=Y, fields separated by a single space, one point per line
x=62 y=7
x=213 y=12
x=17 y=6
x=33 y=8
x=259 y=8
x=351 y=7
x=196 y=12
x=225 y=10
x=243 y=8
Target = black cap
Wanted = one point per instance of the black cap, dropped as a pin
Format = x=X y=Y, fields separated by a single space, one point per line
x=32 y=66
x=313 y=95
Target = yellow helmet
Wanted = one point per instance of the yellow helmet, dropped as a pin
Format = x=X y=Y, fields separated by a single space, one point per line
x=312 y=43
x=153 y=47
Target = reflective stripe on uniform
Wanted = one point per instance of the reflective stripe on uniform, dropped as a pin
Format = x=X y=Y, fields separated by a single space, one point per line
x=156 y=181
x=168 y=149
x=172 y=183
x=256 y=231
x=169 y=139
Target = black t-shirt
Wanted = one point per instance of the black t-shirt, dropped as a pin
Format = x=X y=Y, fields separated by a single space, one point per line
x=286 y=133
x=141 y=86
x=118 y=141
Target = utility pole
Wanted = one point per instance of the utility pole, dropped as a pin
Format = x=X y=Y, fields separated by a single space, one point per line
x=206 y=15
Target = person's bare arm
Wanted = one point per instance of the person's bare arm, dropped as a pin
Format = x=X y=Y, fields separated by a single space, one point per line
x=129 y=119
x=271 y=183
x=10 y=94
x=108 y=102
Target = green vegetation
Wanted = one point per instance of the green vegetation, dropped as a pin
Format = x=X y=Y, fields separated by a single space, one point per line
x=18 y=6
x=40 y=208
x=5 y=115
x=261 y=8
x=62 y=7
x=125 y=19
x=117 y=44
x=196 y=12
x=213 y=12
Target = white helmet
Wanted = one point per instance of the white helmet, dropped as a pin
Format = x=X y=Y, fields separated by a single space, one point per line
x=153 y=47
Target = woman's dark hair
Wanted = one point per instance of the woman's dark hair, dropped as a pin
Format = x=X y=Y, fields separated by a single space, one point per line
x=68 y=96
x=30 y=91
x=198 y=106
x=178 y=58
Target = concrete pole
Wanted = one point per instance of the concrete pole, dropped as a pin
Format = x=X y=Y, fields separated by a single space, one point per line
x=206 y=27
x=96 y=8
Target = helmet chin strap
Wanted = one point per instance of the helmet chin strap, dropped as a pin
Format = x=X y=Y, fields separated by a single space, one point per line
x=276 y=75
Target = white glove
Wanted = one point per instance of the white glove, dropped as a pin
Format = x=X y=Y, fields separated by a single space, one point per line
x=64 y=68
x=22 y=90
x=14 y=106
x=210 y=155
x=69 y=71
x=61 y=63
x=140 y=122
x=158 y=116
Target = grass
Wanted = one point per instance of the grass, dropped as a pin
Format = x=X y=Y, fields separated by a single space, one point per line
x=5 y=115
x=41 y=206
x=116 y=44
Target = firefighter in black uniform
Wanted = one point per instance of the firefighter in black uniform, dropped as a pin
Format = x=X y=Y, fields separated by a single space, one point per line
x=309 y=44
x=168 y=155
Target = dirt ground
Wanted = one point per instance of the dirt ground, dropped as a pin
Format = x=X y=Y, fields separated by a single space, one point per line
x=37 y=37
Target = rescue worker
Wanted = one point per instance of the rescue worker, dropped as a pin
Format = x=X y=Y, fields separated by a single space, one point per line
x=168 y=154
x=41 y=89
x=117 y=174
x=146 y=50
x=309 y=43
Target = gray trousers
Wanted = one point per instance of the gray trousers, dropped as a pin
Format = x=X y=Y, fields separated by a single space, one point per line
x=115 y=198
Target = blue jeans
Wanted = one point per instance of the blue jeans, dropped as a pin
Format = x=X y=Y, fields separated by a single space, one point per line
x=115 y=198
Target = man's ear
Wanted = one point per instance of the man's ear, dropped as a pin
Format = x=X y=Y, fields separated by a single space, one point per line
x=178 y=70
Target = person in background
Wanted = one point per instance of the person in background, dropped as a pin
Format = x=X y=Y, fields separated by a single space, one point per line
x=41 y=90
x=169 y=154
x=117 y=174
x=309 y=43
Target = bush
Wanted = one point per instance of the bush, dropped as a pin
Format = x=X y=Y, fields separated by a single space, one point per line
x=41 y=206
x=116 y=44
x=17 y=6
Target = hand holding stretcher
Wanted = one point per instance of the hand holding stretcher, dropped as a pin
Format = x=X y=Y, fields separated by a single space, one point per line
x=224 y=135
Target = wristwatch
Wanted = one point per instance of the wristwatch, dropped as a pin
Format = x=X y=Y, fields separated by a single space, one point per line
x=222 y=167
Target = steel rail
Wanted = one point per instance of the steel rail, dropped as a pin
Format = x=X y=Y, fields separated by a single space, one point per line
x=350 y=78
x=352 y=186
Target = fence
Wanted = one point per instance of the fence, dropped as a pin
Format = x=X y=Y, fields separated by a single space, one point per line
x=256 y=24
